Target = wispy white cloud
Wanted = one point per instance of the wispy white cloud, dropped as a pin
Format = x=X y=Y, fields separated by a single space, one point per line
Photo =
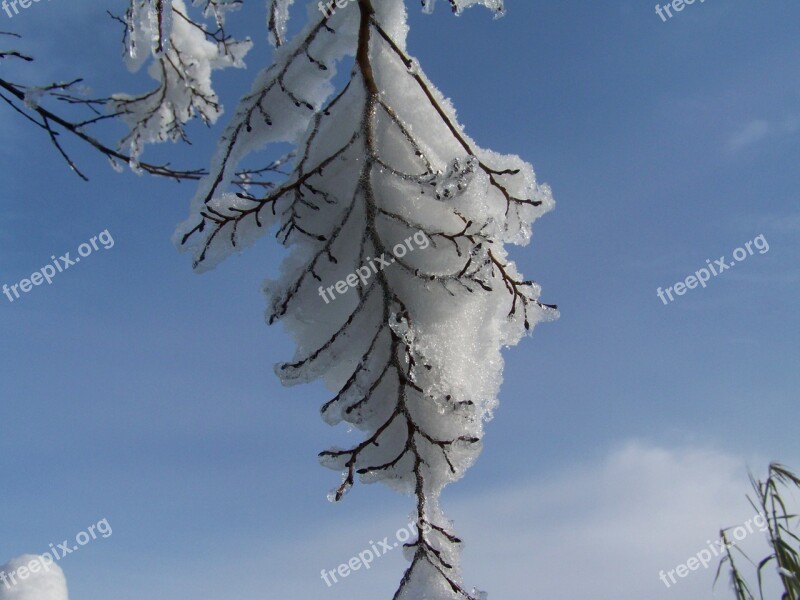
x=783 y=224
x=752 y=133
x=605 y=530
x=759 y=130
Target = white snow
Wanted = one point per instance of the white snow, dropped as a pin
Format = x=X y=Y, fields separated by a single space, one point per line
x=277 y=17
x=458 y=6
x=181 y=59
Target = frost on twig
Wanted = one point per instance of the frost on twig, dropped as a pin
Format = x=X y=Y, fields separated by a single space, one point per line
x=458 y=6
x=184 y=53
x=411 y=353
x=183 y=47
x=277 y=16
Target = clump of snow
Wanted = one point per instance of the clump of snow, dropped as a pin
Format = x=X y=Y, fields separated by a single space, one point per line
x=458 y=6
x=277 y=17
x=282 y=106
x=46 y=583
x=182 y=59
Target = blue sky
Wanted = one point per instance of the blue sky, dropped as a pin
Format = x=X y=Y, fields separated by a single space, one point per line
x=137 y=391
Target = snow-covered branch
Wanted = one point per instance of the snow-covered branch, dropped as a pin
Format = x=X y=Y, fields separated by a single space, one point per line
x=414 y=356
x=183 y=52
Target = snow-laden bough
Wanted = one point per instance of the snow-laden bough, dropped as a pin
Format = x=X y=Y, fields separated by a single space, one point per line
x=413 y=352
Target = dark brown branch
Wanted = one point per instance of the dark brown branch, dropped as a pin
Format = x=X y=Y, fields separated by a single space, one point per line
x=48 y=117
